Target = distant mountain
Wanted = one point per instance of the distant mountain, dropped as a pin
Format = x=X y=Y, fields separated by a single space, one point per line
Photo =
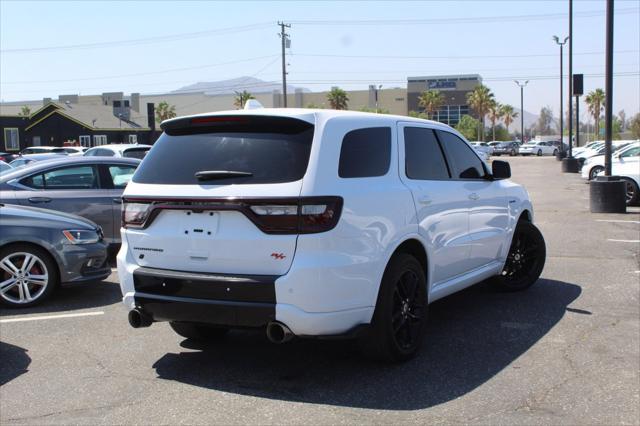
x=226 y=87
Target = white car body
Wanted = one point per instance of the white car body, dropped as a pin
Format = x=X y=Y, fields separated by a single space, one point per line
x=482 y=147
x=538 y=148
x=118 y=150
x=325 y=283
x=593 y=165
x=591 y=145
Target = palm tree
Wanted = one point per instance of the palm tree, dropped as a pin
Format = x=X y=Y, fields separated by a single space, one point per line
x=241 y=98
x=164 y=111
x=480 y=100
x=337 y=98
x=595 y=100
x=430 y=101
x=508 y=115
x=495 y=114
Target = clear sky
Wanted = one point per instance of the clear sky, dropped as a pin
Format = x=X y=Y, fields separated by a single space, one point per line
x=380 y=43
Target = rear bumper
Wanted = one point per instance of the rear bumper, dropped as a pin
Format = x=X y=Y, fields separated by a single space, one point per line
x=232 y=301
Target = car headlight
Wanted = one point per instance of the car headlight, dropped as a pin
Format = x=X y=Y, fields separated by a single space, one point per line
x=81 y=236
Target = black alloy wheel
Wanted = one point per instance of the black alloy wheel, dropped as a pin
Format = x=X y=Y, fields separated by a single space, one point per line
x=525 y=260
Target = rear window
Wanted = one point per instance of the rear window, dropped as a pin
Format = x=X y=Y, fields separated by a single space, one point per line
x=138 y=153
x=267 y=149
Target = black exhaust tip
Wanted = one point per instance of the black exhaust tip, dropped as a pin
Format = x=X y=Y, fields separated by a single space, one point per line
x=278 y=332
x=138 y=319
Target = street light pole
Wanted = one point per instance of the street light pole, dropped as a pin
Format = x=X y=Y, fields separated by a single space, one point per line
x=570 y=78
x=561 y=44
x=522 y=85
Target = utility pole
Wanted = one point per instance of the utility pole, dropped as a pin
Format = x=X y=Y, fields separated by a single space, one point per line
x=561 y=44
x=286 y=42
x=570 y=78
x=522 y=85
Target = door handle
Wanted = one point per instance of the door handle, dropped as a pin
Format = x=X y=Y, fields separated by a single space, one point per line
x=40 y=200
x=424 y=201
x=473 y=196
x=117 y=200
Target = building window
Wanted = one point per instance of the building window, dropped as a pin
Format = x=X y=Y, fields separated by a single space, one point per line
x=11 y=142
x=133 y=138
x=35 y=141
x=85 y=141
x=99 y=140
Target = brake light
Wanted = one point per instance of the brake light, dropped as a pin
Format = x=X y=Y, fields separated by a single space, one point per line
x=135 y=214
x=305 y=215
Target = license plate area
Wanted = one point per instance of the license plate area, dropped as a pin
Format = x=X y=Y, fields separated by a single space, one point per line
x=199 y=224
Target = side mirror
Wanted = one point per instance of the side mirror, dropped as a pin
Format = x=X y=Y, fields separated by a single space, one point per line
x=500 y=169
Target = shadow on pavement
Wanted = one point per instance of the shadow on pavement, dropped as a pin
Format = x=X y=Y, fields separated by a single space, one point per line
x=14 y=362
x=471 y=336
x=69 y=297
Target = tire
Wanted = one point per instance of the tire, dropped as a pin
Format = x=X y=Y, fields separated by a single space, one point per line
x=200 y=332
x=555 y=152
x=19 y=288
x=593 y=173
x=525 y=260
x=632 y=191
x=513 y=153
x=497 y=155
x=539 y=153
x=399 y=319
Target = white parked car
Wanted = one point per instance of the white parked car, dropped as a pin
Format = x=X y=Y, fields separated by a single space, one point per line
x=595 y=165
x=627 y=166
x=591 y=145
x=482 y=147
x=127 y=150
x=317 y=223
x=44 y=150
x=538 y=148
x=4 y=167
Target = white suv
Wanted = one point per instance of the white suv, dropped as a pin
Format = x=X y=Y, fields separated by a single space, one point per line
x=317 y=223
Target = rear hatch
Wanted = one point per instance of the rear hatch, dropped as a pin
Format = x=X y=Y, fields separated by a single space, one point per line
x=219 y=194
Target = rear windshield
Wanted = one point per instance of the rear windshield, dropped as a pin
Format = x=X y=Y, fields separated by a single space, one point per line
x=138 y=153
x=266 y=149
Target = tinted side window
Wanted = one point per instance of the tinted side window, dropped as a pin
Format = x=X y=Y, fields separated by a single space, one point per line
x=78 y=177
x=465 y=162
x=423 y=156
x=35 y=181
x=365 y=153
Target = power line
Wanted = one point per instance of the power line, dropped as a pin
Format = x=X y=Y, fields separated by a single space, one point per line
x=470 y=20
x=538 y=55
x=135 y=42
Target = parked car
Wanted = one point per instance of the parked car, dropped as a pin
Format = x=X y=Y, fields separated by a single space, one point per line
x=627 y=166
x=270 y=218
x=74 y=150
x=599 y=150
x=119 y=150
x=595 y=165
x=40 y=249
x=89 y=187
x=8 y=157
x=538 y=148
x=511 y=148
x=591 y=145
x=23 y=160
x=44 y=150
x=482 y=147
x=4 y=167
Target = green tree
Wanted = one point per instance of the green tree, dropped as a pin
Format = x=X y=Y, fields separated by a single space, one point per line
x=241 y=99
x=379 y=111
x=25 y=111
x=416 y=114
x=164 y=111
x=508 y=115
x=480 y=99
x=495 y=114
x=468 y=126
x=543 y=127
x=338 y=98
x=595 y=101
x=430 y=101
x=634 y=126
x=313 y=106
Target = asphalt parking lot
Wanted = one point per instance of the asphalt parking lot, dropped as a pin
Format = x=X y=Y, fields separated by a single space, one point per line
x=567 y=351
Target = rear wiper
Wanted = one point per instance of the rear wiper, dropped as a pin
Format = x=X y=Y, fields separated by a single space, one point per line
x=220 y=174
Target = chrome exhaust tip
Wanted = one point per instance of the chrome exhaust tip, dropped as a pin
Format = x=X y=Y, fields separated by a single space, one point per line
x=279 y=333
x=138 y=319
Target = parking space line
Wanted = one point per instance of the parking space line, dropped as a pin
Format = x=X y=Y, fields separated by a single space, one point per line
x=47 y=317
x=617 y=221
x=623 y=241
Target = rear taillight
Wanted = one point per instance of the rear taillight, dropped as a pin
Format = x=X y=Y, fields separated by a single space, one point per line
x=305 y=215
